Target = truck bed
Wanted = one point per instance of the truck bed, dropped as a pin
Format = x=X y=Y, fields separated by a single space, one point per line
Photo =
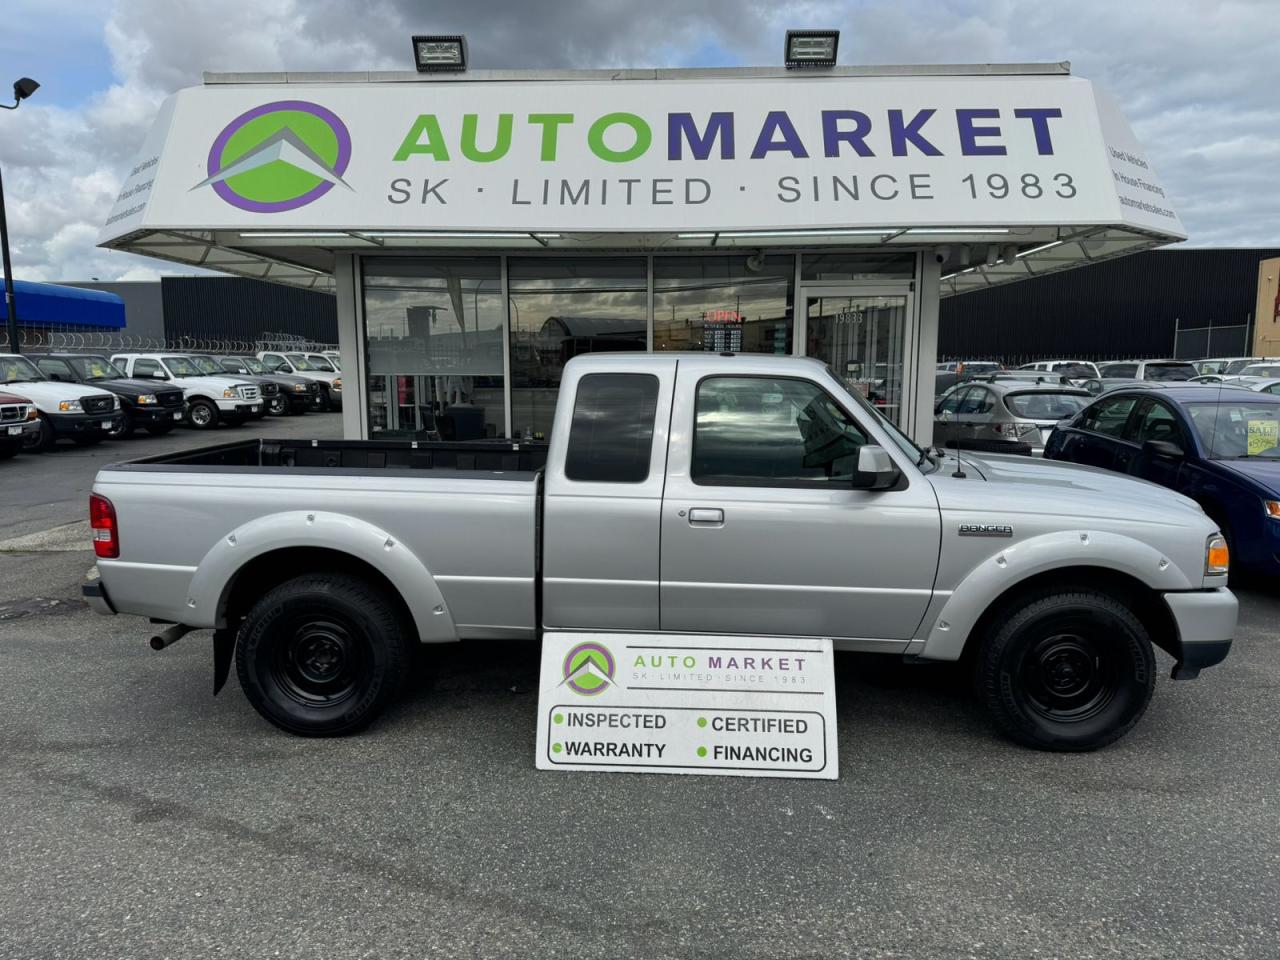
x=484 y=455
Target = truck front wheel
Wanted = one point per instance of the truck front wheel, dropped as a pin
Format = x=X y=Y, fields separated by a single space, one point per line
x=1068 y=670
x=322 y=655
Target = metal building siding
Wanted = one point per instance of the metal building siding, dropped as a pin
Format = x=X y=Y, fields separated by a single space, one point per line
x=1127 y=307
x=238 y=308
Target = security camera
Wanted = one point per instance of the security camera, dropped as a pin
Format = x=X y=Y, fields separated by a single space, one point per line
x=941 y=254
x=755 y=262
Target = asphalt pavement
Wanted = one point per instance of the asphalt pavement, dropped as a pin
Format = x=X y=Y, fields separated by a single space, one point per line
x=140 y=817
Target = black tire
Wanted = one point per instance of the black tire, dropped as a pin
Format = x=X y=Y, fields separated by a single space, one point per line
x=1066 y=670
x=203 y=414
x=44 y=439
x=126 y=428
x=320 y=402
x=278 y=406
x=159 y=429
x=9 y=450
x=322 y=655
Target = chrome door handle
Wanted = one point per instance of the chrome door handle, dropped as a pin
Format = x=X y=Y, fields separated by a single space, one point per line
x=706 y=515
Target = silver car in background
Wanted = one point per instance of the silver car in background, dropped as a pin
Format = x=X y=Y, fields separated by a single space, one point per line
x=1005 y=416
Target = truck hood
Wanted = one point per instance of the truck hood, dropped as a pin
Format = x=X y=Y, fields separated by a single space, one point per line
x=209 y=382
x=47 y=394
x=1030 y=484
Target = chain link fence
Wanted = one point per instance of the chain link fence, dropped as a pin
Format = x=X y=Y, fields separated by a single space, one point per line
x=99 y=341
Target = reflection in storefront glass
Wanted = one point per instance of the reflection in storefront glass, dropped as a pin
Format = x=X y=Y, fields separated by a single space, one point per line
x=434 y=335
x=721 y=304
x=860 y=338
x=561 y=308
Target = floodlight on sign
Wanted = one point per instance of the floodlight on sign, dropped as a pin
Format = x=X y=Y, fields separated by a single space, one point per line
x=811 y=48
x=436 y=54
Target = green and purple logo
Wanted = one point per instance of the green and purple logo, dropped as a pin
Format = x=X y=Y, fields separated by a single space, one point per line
x=279 y=156
x=588 y=669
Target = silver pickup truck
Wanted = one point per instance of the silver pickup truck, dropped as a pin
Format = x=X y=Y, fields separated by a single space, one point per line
x=693 y=493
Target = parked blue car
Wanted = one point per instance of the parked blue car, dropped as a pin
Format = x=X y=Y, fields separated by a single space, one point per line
x=1217 y=444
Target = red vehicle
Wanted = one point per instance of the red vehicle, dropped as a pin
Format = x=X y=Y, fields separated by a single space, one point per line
x=18 y=420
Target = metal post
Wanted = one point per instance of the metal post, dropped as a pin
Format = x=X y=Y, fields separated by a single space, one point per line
x=10 y=302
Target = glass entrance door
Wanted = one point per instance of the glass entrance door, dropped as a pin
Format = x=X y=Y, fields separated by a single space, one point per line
x=861 y=335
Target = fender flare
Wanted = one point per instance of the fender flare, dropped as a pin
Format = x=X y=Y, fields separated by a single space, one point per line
x=947 y=624
x=218 y=568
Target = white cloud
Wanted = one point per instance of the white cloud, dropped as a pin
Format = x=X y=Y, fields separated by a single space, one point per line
x=1198 y=81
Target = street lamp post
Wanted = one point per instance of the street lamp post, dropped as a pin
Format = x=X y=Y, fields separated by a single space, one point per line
x=22 y=89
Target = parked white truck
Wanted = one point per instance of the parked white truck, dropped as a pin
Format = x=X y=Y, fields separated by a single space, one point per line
x=738 y=495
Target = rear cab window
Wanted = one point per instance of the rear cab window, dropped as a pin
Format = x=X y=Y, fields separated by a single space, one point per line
x=611 y=434
x=1044 y=405
x=1119 y=370
x=1170 y=371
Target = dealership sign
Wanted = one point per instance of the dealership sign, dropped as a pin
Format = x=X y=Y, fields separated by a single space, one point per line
x=665 y=703
x=657 y=156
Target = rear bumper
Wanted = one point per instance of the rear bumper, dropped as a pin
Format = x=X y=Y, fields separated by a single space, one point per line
x=95 y=594
x=1206 y=621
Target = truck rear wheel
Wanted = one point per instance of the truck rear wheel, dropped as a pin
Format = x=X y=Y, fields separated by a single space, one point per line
x=322 y=655
x=1067 y=670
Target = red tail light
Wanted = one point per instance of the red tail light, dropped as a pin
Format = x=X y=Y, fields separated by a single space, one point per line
x=102 y=518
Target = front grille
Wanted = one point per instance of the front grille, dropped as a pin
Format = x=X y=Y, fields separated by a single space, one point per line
x=97 y=404
x=313 y=387
x=170 y=398
x=13 y=413
x=249 y=393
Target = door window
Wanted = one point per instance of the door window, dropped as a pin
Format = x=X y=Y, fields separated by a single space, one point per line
x=1156 y=422
x=143 y=367
x=761 y=431
x=55 y=369
x=977 y=401
x=611 y=436
x=1108 y=416
x=951 y=402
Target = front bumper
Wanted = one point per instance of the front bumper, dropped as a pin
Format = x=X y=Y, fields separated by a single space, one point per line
x=1206 y=622
x=153 y=413
x=71 y=424
x=17 y=433
x=240 y=408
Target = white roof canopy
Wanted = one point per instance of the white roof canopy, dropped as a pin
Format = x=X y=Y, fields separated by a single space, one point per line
x=1007 y=172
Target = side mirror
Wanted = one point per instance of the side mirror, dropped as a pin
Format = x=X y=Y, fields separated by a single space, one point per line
x=876 y=470
x=1163 y=448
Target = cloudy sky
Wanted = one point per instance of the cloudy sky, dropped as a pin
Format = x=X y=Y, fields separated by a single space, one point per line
x=1198 y=79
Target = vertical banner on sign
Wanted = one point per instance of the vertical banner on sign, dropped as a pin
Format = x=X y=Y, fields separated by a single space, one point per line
x=663 y=703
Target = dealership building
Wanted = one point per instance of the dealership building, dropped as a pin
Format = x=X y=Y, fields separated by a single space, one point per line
x=480 y=228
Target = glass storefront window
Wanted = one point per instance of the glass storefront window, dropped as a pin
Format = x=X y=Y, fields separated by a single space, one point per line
x=861 y=338
x=561 y=307
x=719 y=303
x=433 y=327
x=858 y=266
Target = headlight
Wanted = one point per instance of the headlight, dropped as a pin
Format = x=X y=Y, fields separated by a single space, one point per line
x=1217 y=560
x=337 y=384
x=299 y=388
x=70 y=406
x=147 y=398
x=33 y=413
x=228 y=394
x=1273 y=508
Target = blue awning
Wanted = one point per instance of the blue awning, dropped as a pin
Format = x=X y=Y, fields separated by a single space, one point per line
x=54 y=305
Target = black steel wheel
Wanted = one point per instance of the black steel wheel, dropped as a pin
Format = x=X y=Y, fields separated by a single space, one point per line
x=1066 y=670
x=322 y=655
x=124 y=426
x=202 y=414
x=43 y=439
x=278 y=405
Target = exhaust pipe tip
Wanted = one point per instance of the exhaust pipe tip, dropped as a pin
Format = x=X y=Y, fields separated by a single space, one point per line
x=157 y=643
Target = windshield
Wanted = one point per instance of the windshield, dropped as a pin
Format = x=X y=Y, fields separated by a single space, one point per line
x=300 y=362
x=905 y=444
x=1043 y=405
x=321 y=363
x=181 y=367
x=207 y=364
x=1261 y=370
x=1235 y=366
x=1170 y=371
x=1075 y=371
x=96 y=368
x=1237 y=430
x=253 y=364
x=18 y=368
